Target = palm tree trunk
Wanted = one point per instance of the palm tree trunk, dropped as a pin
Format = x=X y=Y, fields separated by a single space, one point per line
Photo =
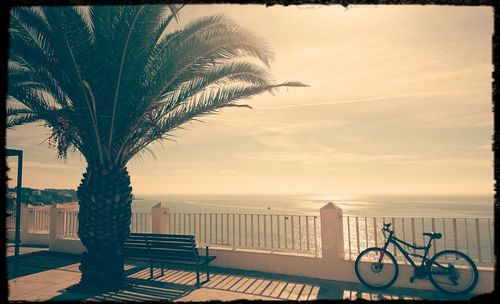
x=105 y=198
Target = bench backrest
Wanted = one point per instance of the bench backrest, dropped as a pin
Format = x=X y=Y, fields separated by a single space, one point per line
x=164 y=246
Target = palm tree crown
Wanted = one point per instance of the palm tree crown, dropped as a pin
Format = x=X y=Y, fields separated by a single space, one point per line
x=110 y=80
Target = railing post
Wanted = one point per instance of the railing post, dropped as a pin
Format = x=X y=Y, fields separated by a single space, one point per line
x=56 y=218
x=160 y=218
x=332 y=232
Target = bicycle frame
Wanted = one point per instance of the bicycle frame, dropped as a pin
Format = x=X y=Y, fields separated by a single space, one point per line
x=391 y=239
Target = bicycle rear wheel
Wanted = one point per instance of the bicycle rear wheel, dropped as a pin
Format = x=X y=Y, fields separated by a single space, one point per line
x=376 y=268
x=453 y=272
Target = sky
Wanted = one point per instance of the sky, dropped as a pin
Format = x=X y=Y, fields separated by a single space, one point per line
x=399 y=103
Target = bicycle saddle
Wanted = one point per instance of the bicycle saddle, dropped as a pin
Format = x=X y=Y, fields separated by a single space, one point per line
x=433 y=235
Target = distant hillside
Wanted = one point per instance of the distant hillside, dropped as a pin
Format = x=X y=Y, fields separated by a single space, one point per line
x=38 y=197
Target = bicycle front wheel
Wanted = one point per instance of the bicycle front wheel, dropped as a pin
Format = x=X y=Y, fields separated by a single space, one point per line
x=453 y=272
x=376 y=268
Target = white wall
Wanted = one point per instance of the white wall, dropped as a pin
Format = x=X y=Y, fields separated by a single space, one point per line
x=328 y=269
x=330 y=266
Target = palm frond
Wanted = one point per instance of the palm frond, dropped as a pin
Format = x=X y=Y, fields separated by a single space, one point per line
x=110 y=80
x=21 y=119
x=17 y=111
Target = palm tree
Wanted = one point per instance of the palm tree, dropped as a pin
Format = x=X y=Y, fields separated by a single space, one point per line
x=110 y=80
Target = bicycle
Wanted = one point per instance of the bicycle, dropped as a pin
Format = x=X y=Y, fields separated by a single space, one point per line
x=455 y=275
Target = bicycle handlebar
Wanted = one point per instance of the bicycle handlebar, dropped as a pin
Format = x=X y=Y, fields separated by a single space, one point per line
x=386 y=227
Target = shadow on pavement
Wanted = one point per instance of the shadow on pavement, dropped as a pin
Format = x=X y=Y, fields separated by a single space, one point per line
x=39 y=261
x=358 y=291
x=177 y=283
x=284 y=287
x=137 y=290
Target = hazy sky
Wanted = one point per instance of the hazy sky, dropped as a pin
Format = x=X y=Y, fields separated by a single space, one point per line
x=399 y=103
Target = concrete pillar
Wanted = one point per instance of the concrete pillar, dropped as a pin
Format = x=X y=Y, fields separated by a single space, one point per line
x=56 y=221
x=160 y=218
x=332 y=232
x=25 y=221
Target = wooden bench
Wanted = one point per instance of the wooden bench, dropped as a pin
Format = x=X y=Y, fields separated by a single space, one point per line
x=167 y=249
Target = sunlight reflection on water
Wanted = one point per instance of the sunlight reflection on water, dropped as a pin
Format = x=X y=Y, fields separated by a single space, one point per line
x=399 y=206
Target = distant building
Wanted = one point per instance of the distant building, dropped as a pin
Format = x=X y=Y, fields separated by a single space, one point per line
x=69 y=205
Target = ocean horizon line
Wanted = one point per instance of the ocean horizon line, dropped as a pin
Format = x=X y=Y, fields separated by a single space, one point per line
x=323 y=196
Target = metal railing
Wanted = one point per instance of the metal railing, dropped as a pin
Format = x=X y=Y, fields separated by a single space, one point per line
x=473 y=236
x=38 y=221
x=141 y=223
x=68 y=227
x=286 y=233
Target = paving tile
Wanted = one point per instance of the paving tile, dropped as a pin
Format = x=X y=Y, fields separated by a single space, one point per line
x=278 y=290
x=30 y=297
x=270 y=288
x=218 y=281
x=214 y=278
x=19 y=287
x=304 y=294
x=294 y=294
x=262 y=287
x=238 y=285
x=349 y=295
x=314 y=293
x=205 y=294
x=254 y=286
x=286 y=291
x=246 y=285
x=228 y=282
x=53 y=276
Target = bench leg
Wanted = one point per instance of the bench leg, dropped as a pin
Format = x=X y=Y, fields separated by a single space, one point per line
x=197 y=277
x=208 y=273
x=161 y=269
x=151 y=270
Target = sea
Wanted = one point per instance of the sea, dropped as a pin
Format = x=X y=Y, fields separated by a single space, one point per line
x=478 y=206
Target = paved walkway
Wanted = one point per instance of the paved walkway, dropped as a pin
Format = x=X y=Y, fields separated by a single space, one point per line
x=42 y=275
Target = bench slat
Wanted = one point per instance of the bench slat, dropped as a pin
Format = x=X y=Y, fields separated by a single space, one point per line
x=173 y=251
x=158 y=245
x=168 y=240
x=162 y=240
x=134 y=243
x=156 y=235
x=168 y=258
x=144 y=249
x=202 y=261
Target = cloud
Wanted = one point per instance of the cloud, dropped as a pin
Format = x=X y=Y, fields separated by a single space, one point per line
x=274 y=132
x=488 y=147
x=323 y=157
x=328 y=157
x=367 y=99
x=451 y=162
